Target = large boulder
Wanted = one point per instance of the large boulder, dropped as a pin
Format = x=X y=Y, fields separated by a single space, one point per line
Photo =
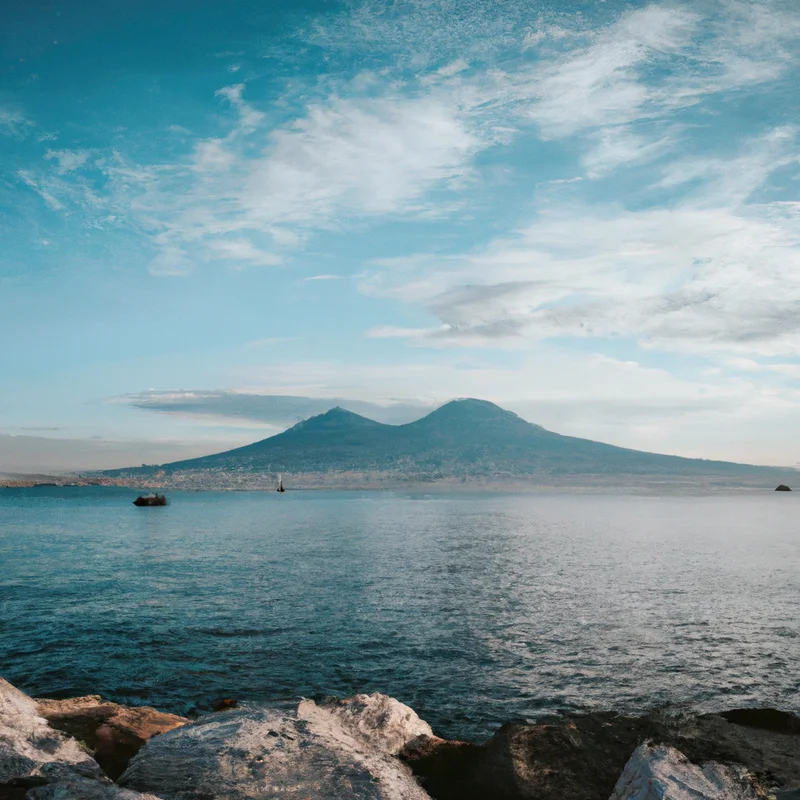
x=577 y=758
x=306 y=751
x=581 y=757
x=40 y=763
x=113 y=733
x=663 y=773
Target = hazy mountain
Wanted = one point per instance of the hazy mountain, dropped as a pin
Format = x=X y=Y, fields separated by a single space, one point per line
x=462 y=439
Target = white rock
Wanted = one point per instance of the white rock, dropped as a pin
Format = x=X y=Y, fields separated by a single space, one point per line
x=663 y=773
x=378 y=721
x=54 y=766
x=263 y=753
x=28 y=743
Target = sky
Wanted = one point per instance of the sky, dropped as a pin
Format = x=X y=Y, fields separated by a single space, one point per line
x=217 y=219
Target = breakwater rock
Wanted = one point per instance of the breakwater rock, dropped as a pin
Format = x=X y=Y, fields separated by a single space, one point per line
x=114 y=734
x=38 y=762
x=581 y=757
x=373 y=747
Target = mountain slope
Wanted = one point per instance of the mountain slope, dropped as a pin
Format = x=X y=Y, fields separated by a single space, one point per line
x=464 y=438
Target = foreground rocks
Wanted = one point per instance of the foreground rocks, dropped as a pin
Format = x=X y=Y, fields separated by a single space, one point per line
x=113 y=733
x=40 y=763
x=582 y=757
x=372 y=747
x=325 y=752
x=661 y=772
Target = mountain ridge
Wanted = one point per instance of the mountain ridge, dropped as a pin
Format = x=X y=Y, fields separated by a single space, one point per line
x=466 y=439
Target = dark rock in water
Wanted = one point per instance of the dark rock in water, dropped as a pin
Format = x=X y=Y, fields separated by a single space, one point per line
x=150 y=500
x=783 y=488
x=225 y=704
x=113 y=733
x=768 y=719
x=582 y=757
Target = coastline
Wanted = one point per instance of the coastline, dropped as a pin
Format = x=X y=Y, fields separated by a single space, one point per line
x=534 y=484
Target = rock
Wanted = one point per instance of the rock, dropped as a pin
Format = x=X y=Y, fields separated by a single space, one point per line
x=581 y=757
x=766 y=741
x=768 y=719
x=28 y=743
x=663 y=773
x=225 y=705
x=378 y=721
x=114 y=733
x=308 y=751
x=782 y=488
x=578 y=758
x=72 y=785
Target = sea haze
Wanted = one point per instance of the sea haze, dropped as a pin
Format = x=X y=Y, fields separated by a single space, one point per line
x=474 y=609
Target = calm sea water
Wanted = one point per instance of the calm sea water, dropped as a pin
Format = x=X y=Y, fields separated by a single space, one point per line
x=474 y=609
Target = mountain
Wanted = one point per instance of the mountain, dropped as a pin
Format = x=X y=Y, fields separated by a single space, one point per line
x=461 y=440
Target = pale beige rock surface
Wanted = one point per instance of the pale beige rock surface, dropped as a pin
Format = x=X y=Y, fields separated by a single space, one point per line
x=303 y=752
x=28 y=743
x=377 y=721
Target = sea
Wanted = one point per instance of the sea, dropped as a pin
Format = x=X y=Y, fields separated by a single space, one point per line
x=475 y=609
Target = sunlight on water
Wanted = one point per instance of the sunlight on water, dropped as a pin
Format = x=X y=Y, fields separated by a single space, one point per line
x=474 y=609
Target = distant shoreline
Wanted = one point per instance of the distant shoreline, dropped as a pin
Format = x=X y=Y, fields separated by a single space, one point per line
x=574 y=484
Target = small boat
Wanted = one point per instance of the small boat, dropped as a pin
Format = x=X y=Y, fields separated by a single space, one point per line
x=150 y=500
x=280 y=484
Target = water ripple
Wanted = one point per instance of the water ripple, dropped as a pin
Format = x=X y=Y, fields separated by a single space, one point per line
x=473 y=609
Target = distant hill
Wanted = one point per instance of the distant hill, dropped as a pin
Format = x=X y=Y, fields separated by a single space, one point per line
x=462 y=440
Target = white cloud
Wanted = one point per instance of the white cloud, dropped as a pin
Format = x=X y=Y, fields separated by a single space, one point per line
x=350 y=158
x=242 y=253
x=28 y=179
x=171 y=261
x=600 y=85
x=13 y=122
x=712 y=273
x=343 y=160
x=68 y=160
x=614 y=146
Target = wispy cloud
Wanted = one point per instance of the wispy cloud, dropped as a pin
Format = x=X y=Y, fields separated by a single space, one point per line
x=714 y=273
x=13 y=122
x=68 y=160
x=274 y=410
x=402 y=138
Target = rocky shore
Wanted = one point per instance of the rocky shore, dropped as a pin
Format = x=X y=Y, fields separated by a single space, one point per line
x=372 y=747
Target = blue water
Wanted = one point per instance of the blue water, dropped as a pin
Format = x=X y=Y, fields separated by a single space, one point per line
x=474 y=609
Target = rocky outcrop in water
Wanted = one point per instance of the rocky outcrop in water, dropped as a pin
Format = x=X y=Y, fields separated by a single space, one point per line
x=113 y=733
x=304 y=751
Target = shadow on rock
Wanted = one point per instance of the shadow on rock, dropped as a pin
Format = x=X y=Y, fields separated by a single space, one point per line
x=581 y=757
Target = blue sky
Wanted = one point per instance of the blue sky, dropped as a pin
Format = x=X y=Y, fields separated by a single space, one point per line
x=218 y=218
